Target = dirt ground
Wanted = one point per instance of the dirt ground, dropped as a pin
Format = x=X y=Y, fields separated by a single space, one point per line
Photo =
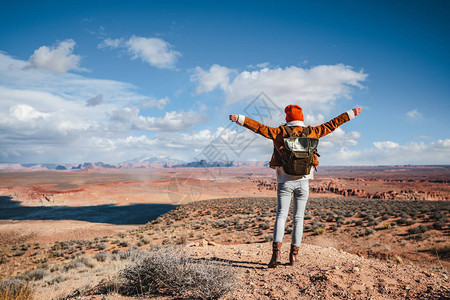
x=190 y=185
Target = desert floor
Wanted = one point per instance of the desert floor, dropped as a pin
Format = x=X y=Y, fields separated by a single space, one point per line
x=395 y=215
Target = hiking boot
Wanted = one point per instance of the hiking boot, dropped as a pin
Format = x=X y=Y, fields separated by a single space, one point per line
x=293 y=259
x=276 y=255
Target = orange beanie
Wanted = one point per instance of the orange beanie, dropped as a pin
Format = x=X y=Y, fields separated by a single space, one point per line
x=293 y=113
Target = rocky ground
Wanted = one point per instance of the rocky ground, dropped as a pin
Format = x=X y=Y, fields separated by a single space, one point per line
x=398 y=250
x=324 y=273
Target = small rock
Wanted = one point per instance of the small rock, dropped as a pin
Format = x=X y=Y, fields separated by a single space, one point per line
x=203 y=243
x=426 y=273
x=285 y=289
x=336 y=267
x=355 y=269
x=211 y=243
x=407 y=287
x=191 y=244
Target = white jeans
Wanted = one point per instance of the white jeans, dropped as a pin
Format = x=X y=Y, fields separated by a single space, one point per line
x=300 y=190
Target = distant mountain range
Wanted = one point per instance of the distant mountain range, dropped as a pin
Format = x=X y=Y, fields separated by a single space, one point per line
x=137 y=163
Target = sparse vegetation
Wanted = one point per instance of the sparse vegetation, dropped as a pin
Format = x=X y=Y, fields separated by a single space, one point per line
x=15 y=289
x=319 y=231
x=173 y=272
x=37 y=274
x=101 y=256
x=241 y=220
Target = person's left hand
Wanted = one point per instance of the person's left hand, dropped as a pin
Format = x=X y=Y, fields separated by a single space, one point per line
x=234 y=118
x=357 y=111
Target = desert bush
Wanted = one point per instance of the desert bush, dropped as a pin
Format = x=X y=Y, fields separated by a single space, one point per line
x=265 y=225
x=181 y=240
x=3 y=259
x=418 y=229
x=174 y=272
x=239 y=227
x=123 y=244
x=441 y=251
x=439 y=224
x=13 y=289
x=409 y=222
x=57 y=279
x=146 y=240
x=130 y=254
x=385 y=217
x=359 y=223
x=369 y=231
x=54 y=269
x=268 y=238
x=220 y=224
x=102 y=246
x=19 y=253
x=401 y=221
x=78 y=263
x=348 y=214
x=101 y=256
x=37 y=274
x=319 y=231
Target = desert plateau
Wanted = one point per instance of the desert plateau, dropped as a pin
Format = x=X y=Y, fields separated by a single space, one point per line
x=369 y=233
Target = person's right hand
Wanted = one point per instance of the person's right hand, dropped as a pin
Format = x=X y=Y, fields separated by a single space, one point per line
x=357 y=111
x=234 y=118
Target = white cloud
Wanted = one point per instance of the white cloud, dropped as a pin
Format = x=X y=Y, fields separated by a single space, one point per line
x=59 y=59
x=158 y=103
x=153 y=51
x=172 y=121
x=339 y=139
x=216 y=76
x=25 y=112
x=414 y=114
x=47 y=117
x=316 y=87
x=314 y=119
x=391 y=153
x=111 y=43
x=386 y=145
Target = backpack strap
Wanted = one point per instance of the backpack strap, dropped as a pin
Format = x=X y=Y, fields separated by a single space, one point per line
x=289 y=131
x=305 y=132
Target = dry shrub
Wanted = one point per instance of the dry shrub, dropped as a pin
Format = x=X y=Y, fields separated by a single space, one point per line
x=101 y=256
x=13 y=289
x=174 y=273
x=319 y=231
x=37 y=274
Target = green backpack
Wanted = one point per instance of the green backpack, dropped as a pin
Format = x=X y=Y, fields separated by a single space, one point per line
x=298 y=152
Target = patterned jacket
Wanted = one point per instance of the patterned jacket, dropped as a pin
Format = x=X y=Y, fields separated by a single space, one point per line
x=277 y=134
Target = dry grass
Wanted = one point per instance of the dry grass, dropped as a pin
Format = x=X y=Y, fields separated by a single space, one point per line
x=173 y=272
x=15 y=290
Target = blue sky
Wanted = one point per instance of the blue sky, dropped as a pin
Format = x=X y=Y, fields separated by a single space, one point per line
x=113 y=81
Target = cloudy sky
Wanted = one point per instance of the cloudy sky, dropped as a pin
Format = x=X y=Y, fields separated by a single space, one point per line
x=113 y=81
